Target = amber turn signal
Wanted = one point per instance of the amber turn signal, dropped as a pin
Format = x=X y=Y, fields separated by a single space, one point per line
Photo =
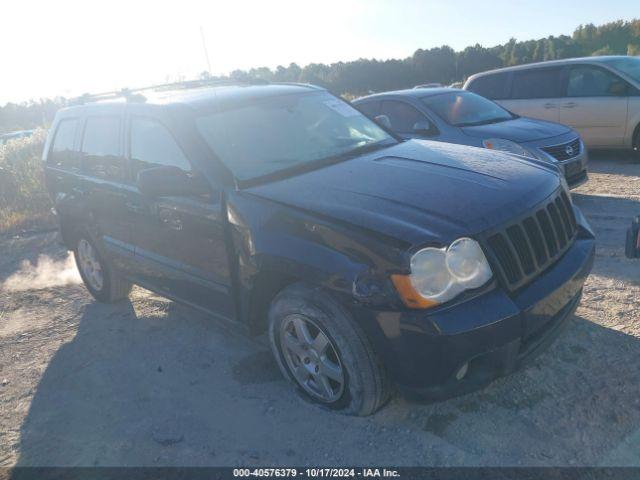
x=409 y=294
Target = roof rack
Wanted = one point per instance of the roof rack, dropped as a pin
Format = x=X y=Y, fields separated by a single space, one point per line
x=135 y=95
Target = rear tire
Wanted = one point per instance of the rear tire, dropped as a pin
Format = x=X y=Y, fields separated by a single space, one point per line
x=99 y=276
x=323 y=352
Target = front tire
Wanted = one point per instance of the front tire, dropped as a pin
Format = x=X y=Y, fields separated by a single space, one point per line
x=321 y=350
x=98 y=275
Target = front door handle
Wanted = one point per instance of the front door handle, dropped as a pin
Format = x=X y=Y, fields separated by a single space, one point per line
x=135 y=207
x=569 y=105
x=171 y=220
x=550 y=105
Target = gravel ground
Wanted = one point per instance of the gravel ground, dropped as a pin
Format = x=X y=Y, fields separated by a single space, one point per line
x=151 y=382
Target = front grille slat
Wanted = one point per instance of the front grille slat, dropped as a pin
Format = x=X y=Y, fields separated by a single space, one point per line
x=569 y=207
x=537 y=242
x=547 y=231
x=524 y=249
x=507 y=257
x=557 y=225
x=564 y=151
x=521 y=246
x=565 y=217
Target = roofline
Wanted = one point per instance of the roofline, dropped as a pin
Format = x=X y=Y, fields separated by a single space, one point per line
x=135 y=95
x=562 y=61
x=411 y=92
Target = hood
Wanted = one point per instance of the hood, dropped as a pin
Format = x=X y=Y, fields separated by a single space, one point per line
x=420 y=191
x=517 y=130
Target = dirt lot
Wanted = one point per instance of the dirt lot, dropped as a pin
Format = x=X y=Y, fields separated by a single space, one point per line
x=150 y=382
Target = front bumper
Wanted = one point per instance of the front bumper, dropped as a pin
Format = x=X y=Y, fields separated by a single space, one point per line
x=575 y=169
x=492 y=333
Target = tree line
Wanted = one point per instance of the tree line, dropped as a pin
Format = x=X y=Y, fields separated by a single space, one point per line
x=439 y=64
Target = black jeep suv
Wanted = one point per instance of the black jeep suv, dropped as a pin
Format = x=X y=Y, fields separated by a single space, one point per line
x=370 y=261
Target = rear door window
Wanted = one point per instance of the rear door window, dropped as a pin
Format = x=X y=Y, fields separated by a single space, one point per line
x=62 y=153
x=153 y=145
x=494 y=87
x=102 y=156
x=588 y=81
x=401 y=115
x=538 y=83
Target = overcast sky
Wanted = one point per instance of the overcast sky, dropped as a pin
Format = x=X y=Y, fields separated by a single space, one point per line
x=66 y=47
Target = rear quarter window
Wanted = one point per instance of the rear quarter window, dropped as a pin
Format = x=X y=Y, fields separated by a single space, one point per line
x=62 y=154
x=494 y=86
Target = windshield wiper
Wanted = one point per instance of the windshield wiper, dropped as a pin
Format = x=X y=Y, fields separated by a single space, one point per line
x=312 y=165
x=361 y=150
x=483 y=122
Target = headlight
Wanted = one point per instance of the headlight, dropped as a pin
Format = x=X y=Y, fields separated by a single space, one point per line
x=506 y=146
x=440 y=274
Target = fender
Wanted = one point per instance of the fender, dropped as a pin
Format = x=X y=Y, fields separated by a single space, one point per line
x=272 y=246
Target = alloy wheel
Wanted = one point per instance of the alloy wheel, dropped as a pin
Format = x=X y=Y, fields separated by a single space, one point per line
x=90 y=265
x=312 y=358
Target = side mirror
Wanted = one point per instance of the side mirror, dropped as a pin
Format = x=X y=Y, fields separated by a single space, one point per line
x=383 y=120
x=423 y=127
x=170 y=181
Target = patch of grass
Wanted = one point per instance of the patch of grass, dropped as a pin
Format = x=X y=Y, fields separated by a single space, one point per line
x=24 y=202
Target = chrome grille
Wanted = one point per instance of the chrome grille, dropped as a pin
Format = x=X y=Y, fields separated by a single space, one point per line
x=564 y=151
x=523 y=250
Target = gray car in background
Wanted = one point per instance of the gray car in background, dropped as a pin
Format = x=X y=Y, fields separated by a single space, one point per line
x=458 y=116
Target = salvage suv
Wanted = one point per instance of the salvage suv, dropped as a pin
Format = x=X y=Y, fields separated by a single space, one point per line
x=371 y=262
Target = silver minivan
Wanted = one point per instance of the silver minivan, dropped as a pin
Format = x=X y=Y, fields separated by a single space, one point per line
x=599 y=97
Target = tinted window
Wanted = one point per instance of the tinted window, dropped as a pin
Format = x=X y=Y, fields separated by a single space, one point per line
x=540 y=83
x=152 y=145
x=370 y=109
x=62 y=154
x=491 y=86
x=589 y=81
x=101 y=148
x=402 y=116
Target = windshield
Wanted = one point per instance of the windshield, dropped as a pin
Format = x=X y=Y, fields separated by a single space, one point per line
x=465 y=109
x=285 y=132
x=630 y=66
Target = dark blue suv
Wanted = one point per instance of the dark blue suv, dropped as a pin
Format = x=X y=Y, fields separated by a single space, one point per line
x=371 y=262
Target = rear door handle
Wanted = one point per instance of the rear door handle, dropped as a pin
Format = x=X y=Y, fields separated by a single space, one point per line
x=569 y=105
x=550 y=105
